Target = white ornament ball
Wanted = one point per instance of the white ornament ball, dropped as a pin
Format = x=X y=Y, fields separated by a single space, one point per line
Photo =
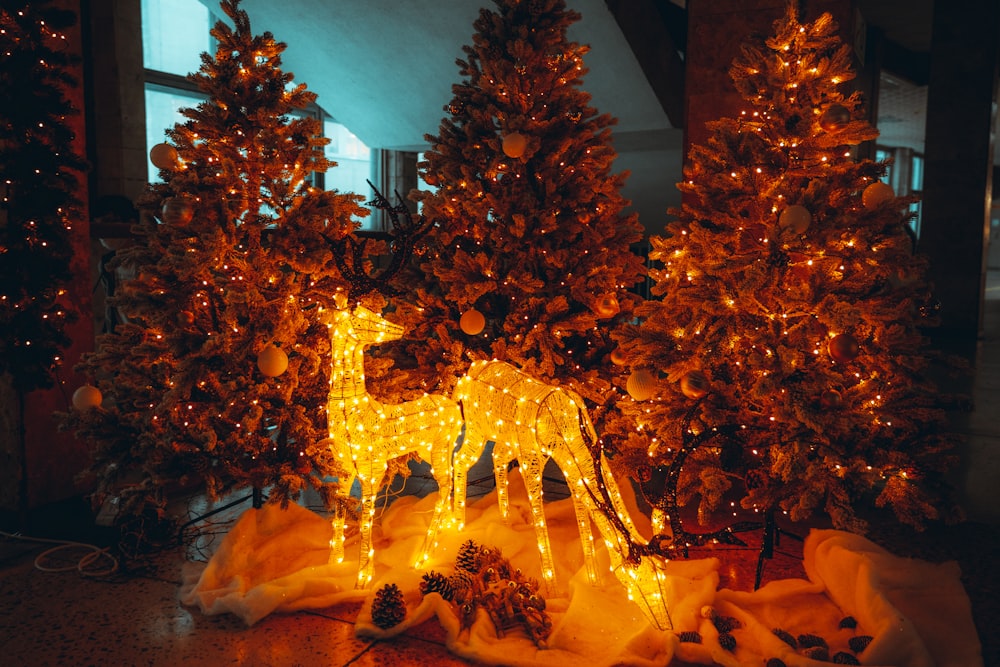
x=87 y=396
x=177 y=211
x=694 y=384
x=607 y=306
x=795 y=218
x=641 y=385
x=472 y=322
x=163 y=156
x=272 y=361
x=514 y=144
x=876 y=193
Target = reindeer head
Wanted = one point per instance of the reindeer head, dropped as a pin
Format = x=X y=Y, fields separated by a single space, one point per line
x=361 y=326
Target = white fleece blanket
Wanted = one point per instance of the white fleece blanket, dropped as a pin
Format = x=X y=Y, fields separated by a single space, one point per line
x=916 y=613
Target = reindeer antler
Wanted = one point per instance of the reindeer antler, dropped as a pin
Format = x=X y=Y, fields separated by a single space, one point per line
x=402 y=239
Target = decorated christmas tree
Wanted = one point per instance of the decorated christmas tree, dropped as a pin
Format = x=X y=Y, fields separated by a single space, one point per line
x=785 y=349
x=220 y=372
x=529 y=260
x=38 y=202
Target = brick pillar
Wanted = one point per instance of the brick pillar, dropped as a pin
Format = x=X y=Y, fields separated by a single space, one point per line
x=958 y=171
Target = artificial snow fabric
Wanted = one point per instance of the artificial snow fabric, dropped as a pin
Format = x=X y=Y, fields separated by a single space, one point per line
x=917 y=614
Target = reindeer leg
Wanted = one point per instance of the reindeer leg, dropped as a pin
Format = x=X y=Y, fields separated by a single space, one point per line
x=441 y=469
x=531 y=470
x=470 y=451
x=370 y=484
x=502 y=456
x=582 y=509
x=340 y=522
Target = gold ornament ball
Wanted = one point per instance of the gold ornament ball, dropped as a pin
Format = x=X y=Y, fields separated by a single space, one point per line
x=843 y=348
x=835 y=118
x=876 y=193
x=618 y=357
x=185 y=318
x=472 y=322
x=607 y=306
x=272 y=361
x=514 y=144
x=177 y=211
x=795 y=218
x=87 y=396
x=163 y=156
x=694 y=384
x=641 y=385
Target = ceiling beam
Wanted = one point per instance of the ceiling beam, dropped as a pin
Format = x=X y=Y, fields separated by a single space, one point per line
x=648 y=34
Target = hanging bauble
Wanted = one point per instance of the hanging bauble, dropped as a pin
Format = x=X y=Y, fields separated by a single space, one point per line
x=618 y=357
x=795 y=218
x=87 y=396
x=876 y=193
x=641 y=385
x=472 y=322
x=185 y=318
x=836 y=117
x=514 y=144
x=163 y=156
x=831 y=399
x=272 y=361
x=177 y=211
x=606 y=306
x=694 y=384
x=843 y=348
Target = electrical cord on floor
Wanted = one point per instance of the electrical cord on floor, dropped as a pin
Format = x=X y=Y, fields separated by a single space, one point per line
x=83 y=565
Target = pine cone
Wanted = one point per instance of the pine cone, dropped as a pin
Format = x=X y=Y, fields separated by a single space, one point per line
x=848 y=622
x=775 y=662
x=462 y=585
x=820 y=653
x=435 y=582
x=466 y=558
x=844 y=658
x=388 y=608
x=808 y=641
x=785 y=637
x=727 y=641
x=690 y=637
x=859 y=643
x=726 y=623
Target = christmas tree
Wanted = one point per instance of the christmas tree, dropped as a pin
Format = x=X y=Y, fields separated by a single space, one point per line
x=785 y=345
x=38 y=202
x=529 y=260
x=220 y=372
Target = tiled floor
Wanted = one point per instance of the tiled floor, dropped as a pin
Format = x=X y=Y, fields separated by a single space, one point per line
x=133 y=617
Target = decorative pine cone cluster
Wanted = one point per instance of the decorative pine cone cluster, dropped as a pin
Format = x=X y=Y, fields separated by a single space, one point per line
x=815 y=647
x=484 y=579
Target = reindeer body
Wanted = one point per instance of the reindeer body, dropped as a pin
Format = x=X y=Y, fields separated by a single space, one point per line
x=365 y=434
x=532 y=422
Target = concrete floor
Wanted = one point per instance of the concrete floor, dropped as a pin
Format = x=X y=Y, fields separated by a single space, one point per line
x=133 y=617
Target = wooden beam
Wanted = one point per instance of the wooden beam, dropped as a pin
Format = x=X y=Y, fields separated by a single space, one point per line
x=649 y=36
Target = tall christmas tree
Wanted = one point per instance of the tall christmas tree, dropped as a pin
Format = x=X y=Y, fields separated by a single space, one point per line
x=529 y=260
x=219 y=373
x=38 y=202
x=786 y=341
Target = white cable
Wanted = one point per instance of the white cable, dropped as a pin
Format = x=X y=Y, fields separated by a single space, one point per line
x=94 y=554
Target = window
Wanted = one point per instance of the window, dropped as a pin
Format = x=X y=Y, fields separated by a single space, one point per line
x=174 y=35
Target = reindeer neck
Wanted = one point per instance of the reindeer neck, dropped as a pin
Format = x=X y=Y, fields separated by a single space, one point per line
x=347 y=379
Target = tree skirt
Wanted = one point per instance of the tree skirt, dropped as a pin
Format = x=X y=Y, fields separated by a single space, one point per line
x=916 y=613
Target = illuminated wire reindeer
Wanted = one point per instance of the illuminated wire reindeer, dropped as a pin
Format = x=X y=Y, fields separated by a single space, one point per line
x=532 y=422
x=366 y=434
